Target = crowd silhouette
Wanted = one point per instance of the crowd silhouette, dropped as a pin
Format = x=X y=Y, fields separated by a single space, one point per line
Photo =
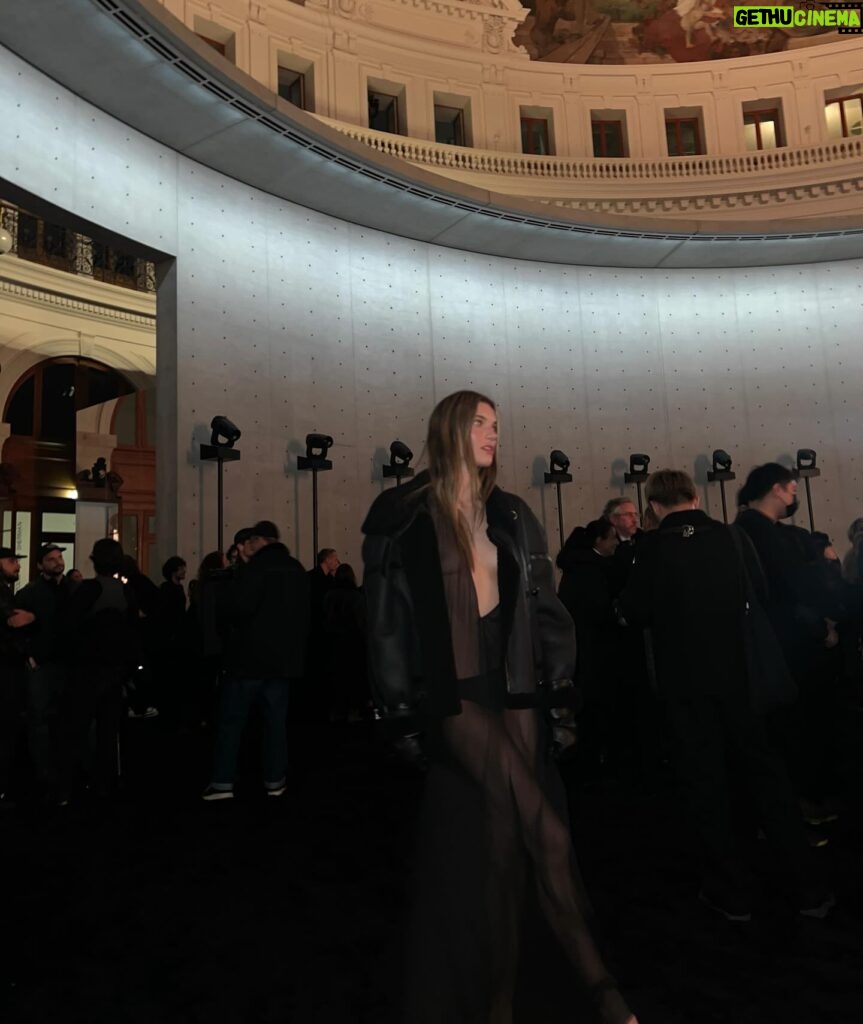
x=718 y=663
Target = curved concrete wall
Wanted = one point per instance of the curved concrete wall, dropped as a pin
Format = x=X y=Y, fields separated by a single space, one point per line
x=290 y=321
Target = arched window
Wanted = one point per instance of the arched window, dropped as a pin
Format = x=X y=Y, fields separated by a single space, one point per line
x=44 y=402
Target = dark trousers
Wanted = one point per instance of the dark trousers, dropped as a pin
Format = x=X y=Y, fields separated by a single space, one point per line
x=11 y=706
x=237 y=698
x=717 y=740
x=92 y=711
x=45 y=686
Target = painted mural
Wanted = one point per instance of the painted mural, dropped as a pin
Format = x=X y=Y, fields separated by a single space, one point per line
x=650 y=32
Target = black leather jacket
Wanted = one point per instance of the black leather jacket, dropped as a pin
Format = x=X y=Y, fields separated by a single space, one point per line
x=413 y=668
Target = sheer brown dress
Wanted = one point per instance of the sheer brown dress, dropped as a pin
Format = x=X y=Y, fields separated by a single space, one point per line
x=492 y=821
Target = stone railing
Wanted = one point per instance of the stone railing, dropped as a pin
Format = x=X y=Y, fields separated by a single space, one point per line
x=785 y=162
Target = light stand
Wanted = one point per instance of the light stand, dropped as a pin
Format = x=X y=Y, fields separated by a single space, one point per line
x=223 y=436
x=315 y=459
x=721 y=472
x=558 y=474
x=806 y=469
x=638 y=474
x=400 y=462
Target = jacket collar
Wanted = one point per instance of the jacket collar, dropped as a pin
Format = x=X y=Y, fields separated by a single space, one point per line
x=394 y=510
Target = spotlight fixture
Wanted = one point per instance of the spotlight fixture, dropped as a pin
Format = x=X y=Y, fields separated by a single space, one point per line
x=223 y=436
x=315 y=459
x=558 y=462
x=805 y=470
x=638 y=474
x=5 y=241
x=722 y=474
x=721 y=461
x=558 y=473
x=638 y=467
x=400 y=462
x=317 y=446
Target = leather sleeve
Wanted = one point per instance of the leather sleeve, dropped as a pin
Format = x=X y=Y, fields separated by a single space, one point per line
x=391 y=628
x=555 y=630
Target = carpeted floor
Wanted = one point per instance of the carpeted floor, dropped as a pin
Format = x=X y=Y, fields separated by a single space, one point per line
x=156 y=908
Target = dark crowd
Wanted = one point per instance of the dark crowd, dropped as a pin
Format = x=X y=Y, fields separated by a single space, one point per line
x=82 y=656
x=721 y=662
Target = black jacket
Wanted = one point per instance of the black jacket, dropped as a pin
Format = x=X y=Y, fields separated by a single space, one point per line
x=413 y=667
x=687 y=586
x=265 y=608
x=797 y=602
x=586 y=591
x=48 y=639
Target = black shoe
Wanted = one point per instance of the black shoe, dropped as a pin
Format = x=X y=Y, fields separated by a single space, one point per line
x=732 y=908
x=820 y=909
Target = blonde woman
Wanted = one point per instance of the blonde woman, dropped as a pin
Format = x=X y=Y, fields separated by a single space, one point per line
x=469 y=646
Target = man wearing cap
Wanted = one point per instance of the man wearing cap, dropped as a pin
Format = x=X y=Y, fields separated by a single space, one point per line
x=265 y=608
x=47 y=653
x=13 y=620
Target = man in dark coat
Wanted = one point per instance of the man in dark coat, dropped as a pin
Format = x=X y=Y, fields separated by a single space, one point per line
x=47 y=650
x=687 y=586
x=801 y=605
x=265 y=609
x=13 y=620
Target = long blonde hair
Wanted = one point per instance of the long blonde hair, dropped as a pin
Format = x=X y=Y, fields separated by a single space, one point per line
x=449 y=450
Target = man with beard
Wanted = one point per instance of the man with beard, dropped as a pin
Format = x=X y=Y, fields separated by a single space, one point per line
x=12 y=621
x=46 y=657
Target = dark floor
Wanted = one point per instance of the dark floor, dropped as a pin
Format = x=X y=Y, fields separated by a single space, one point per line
x=159 y=909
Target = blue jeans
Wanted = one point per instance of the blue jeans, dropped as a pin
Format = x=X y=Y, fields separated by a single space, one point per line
x=238 y=696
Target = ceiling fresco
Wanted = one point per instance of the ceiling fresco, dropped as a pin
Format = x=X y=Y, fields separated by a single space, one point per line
x=651 y=32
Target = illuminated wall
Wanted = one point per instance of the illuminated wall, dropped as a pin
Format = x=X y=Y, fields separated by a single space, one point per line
x=290 y=321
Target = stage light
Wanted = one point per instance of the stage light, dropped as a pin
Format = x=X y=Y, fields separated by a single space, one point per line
x=317 y=445
x=805 y=470
x=400 y=454
x=224 y=433
x=721 y=473
x=558 y=462
x=400 y=462
x=315 y=459
x=638 y=474
x=638 y=466
x=721 y=461
x=223 y=436
x=558 y=474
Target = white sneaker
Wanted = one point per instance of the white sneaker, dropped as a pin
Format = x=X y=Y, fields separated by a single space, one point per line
x=217 y=794
x=146 y=713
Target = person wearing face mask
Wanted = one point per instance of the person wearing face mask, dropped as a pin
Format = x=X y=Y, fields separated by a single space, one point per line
x=768 y=497
x=801 y=615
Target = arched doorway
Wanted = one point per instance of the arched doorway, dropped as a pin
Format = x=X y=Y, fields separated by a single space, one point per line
x=61 y=416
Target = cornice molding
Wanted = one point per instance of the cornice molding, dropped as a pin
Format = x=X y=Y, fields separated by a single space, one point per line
x=69 y=303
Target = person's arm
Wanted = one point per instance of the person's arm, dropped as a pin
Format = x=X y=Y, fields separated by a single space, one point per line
x=636 y=601
x=555 y=628
x=390 y=627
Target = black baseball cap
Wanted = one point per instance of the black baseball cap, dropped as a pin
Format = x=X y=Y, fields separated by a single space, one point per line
x=267 y=529
x=10 y=553
x=46 y=549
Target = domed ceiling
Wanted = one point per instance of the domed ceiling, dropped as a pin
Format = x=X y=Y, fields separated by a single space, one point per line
x=653 y=31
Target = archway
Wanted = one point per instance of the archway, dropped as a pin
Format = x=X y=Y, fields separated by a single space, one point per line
x=61 y=415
